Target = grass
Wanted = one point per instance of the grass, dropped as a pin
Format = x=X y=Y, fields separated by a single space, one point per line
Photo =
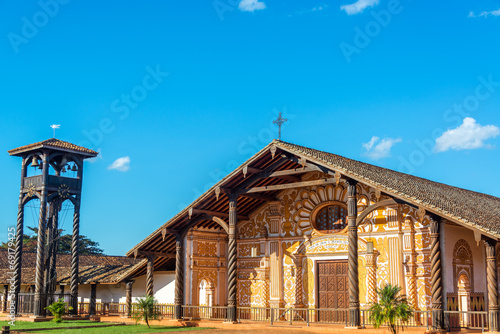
x=49 y=324
x=129 y=329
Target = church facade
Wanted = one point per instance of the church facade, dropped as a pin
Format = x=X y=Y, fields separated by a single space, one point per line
x=299 y=228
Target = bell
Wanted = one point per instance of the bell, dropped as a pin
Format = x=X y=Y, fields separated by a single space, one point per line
x=63 y=170
x=40 y=166
x=73 y=168
x=34 y=162
x=64 y=161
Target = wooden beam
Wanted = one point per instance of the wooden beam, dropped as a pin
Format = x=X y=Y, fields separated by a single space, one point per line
x=287 y=172
x=166 y=231
x=303 y=161
x=290 y=178
x=286 y=186
x=261 y=197
x=154 y=254
x=215 y=214
x=251 y=170
x=252 y=179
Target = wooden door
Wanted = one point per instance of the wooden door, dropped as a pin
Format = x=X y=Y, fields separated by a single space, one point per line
x=333 y=290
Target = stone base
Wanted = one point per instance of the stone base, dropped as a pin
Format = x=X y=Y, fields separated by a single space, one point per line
x=230 y=322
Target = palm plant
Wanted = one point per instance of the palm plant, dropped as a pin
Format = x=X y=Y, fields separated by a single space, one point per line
x=146 y=310
x=391 y=309
x=57 y=309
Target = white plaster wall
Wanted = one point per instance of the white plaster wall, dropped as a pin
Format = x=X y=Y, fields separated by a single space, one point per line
x=106 y=293
x=452 y=235
x=163 y=287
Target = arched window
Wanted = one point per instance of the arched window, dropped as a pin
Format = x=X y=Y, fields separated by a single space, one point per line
x=331 y=218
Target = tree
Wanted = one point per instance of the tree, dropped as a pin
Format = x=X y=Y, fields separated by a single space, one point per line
x=391 y=308
x=146 y=310
x=86 y=246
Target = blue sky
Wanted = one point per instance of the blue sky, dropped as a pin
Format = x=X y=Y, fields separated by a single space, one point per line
x=182 y=92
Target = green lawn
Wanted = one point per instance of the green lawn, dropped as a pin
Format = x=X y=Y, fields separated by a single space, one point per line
x=128 y=329
x=49 y=324
x=105 y=330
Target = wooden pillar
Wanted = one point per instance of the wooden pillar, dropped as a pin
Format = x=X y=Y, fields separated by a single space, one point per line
x=436 y=275
x=371 y=273
x=492 y=283
x=352 y=213
x=40 y=249
x=18 y=255
x=149 y=276
x=299 y=300
x=54 y=247
x=231 y=280
x=5 y=296
x=411 y=273
x=179 y=277
x=93 y=299
x=75 y=256
x=128 y=298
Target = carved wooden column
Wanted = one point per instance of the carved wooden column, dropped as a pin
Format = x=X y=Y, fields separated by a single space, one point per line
x=492 y=283
x=436 y=275
x=149 y=276
x=52 y=282
x=179 y=277
x=18 y=255
x=352 y=213
x=75 y=256
x=40 y=253
x=299 y=300
x=5 y=296
x=128 y=298
x=371 y=273
x=411 y=273
x=231 y=278
x=93 y=299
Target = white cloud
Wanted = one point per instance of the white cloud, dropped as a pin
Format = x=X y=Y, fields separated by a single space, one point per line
x=378 y=149
x=485 y=13
x=359 y=6
x=251 y=5
x=468 y=136
x=121 y=164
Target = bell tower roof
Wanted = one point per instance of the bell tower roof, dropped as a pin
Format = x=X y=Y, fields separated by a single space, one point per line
x=55 y=144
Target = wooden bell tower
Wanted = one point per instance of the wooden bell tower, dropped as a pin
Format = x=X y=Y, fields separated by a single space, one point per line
x=57 y=177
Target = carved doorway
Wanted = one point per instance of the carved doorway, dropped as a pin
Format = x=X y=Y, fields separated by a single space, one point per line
x=333 y=290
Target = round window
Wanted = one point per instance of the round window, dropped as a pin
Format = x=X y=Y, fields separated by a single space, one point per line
x=331 y=218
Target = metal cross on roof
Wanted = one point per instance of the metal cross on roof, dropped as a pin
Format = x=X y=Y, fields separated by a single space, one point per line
x=279 y=122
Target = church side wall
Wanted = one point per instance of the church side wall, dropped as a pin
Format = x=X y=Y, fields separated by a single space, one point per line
x=164 y=287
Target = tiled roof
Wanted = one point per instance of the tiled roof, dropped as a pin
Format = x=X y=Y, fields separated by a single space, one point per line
x=478 y=211
x=92 y=268
x=53 y=143
x=472 y=208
